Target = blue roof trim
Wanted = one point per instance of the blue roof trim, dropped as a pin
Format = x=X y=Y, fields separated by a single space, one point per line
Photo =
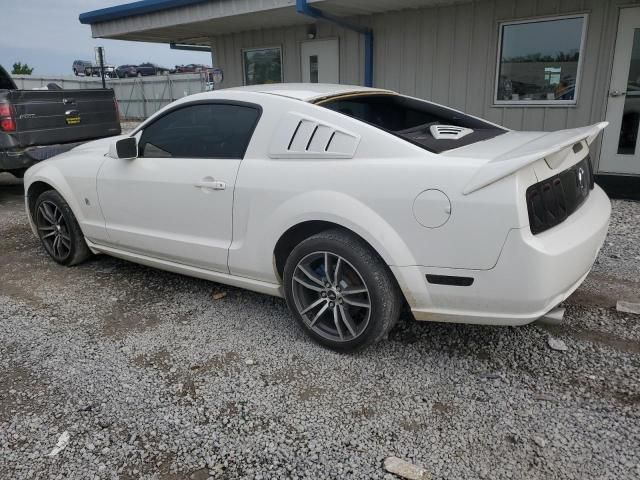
x=130 y=9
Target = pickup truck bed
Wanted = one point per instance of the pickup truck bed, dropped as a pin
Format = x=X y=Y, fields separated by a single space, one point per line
x=37 y=124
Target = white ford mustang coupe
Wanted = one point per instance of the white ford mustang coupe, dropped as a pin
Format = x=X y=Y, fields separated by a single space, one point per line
x=349 y=202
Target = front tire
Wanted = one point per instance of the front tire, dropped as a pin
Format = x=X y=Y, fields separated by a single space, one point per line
x=340 y=291
x=58 y=229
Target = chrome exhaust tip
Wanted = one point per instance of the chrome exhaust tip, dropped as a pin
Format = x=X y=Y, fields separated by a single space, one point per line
x=553 y=317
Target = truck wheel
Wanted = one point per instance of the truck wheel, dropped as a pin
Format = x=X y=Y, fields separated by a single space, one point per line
x=340 y=291
x=58 y=229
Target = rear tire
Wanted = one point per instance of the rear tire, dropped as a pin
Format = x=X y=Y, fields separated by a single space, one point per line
x=340 y=291
x=58 y=229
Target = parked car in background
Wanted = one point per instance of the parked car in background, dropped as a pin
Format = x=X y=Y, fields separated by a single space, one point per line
x=94 y=71
x=126 y=71
x=190 y=68
x=79 y=67
x=262 y=188
x=151 y=69
x=142 y=70
x=37 y=124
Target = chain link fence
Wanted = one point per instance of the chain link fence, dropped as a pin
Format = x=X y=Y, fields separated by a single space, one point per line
x=138 y=97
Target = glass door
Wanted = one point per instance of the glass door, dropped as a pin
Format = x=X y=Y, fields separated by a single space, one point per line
x=620 y=152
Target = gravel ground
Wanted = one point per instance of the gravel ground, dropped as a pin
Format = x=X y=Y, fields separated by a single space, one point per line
x=154 y=379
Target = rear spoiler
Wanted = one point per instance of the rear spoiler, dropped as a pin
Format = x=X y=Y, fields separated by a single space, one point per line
x=553 y=146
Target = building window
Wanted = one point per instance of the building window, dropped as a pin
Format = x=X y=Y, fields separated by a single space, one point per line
x=262 y=65
x=539 y=61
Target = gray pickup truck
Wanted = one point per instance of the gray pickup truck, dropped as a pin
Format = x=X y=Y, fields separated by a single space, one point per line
x=37 y=124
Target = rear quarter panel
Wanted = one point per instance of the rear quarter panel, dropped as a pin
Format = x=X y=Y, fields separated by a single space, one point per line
x=371 y=194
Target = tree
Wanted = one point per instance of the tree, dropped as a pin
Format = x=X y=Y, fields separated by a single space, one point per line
x=20 y=69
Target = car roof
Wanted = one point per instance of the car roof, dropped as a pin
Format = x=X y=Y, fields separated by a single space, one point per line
x=308 y=92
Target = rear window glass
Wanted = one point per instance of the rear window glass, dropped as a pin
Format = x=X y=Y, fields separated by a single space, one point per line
x=411 y=119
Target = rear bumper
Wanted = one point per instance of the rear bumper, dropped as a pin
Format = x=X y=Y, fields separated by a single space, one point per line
x=21 y=159
x=534 y=273
x=15 y=160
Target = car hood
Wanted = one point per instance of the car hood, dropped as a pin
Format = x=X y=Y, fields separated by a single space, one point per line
x=97 y=146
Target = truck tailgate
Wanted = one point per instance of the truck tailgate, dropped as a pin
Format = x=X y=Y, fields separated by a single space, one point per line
x=47 y=117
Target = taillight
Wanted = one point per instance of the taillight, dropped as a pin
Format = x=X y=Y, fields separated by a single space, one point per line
x=7 y=123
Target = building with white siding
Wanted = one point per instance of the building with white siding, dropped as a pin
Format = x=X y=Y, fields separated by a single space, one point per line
x=528 y=65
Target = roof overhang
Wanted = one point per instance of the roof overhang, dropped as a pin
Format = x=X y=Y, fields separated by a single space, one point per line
x=195 y=22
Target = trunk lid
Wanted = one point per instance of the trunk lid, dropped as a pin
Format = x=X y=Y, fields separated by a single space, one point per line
x=509 y=152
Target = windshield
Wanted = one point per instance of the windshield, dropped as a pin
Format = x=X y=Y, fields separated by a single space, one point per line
x=412 y=119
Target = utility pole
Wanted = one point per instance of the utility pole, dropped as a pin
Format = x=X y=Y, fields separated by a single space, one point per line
x=100 y=58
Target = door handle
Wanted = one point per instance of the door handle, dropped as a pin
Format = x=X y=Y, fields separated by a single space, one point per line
x=617 y=93
x=211 y=184
x=68 y=101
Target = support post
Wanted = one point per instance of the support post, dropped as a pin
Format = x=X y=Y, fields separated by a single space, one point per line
x=101 y=64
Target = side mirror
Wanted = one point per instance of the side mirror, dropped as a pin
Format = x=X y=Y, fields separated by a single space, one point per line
x=124 y=149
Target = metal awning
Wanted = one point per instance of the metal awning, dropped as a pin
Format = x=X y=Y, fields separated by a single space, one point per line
x=196 y=21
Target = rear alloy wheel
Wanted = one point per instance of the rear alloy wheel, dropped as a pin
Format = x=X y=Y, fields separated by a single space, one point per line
x=340 y=291
x=58 y=229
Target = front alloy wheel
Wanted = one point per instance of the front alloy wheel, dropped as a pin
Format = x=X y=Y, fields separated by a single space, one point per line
x=58 y=229
x=54 y=231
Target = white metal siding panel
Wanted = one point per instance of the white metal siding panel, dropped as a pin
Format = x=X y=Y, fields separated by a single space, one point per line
x=444 y=53
x=478 y=57
x=463 y=30
x=426 y=40
x=448 y=54
x=410 y=48
x=456 y=52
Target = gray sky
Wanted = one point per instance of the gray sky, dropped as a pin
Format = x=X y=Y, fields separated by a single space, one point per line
x=47 y=35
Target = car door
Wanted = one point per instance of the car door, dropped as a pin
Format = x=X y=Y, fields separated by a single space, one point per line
x=175 y=200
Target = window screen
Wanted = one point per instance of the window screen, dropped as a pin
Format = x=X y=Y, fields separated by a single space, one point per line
x=539 y=60
x=200 y=131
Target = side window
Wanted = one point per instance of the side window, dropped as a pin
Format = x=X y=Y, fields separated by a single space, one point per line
x=200 y=131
